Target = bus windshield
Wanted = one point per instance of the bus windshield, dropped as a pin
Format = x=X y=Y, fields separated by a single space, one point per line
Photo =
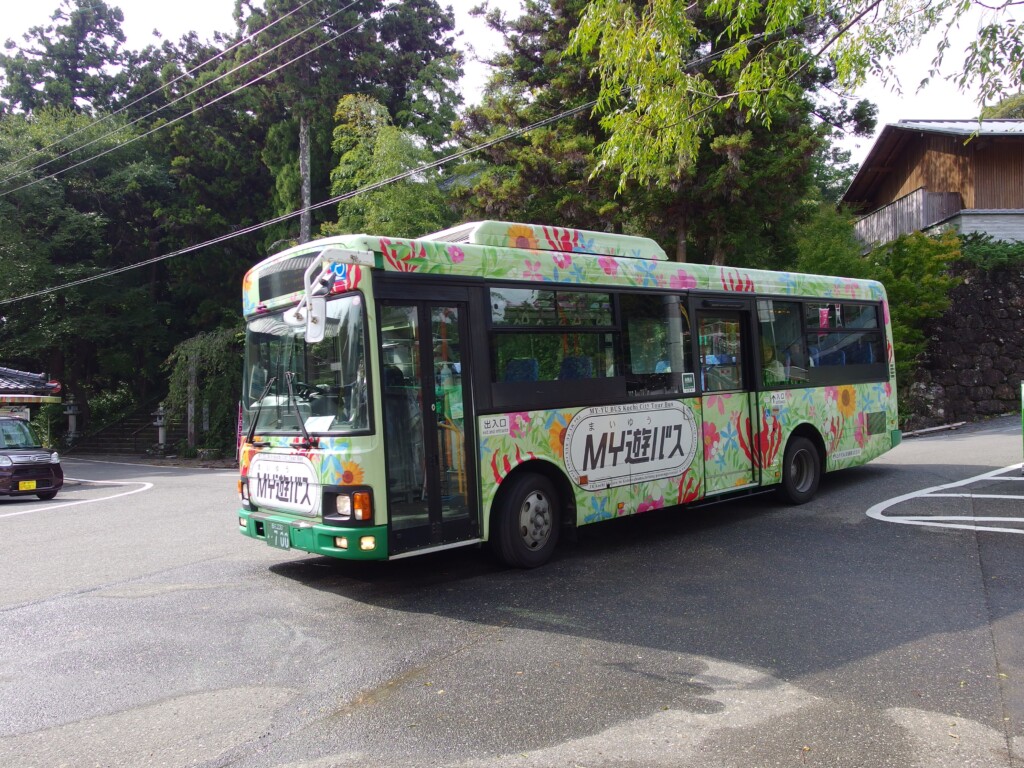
x=328 y=378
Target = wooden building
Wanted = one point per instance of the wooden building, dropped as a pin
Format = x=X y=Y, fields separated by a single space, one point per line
x=928 y=175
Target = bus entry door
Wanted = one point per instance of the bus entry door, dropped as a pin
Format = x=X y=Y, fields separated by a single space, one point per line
x=724 y=337
x=426 y=409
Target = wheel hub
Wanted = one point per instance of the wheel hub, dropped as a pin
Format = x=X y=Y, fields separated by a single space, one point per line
x=535 y=520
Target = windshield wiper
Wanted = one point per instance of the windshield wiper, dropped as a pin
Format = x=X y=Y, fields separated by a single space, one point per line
x=259 y=409
x=288 y=376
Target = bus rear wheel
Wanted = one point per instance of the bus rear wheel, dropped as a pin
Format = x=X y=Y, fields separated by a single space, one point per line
x=526 y=529
x=801 y=471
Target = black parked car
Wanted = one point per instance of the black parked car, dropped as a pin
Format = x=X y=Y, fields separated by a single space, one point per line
x=26 y=468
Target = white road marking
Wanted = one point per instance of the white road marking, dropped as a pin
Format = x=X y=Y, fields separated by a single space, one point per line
x=63 y=505
x=967 y=523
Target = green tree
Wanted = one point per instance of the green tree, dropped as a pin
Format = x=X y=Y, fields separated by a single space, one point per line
x=214 y=159
x=370 y=149
x=400 y=53
x=71 y=63
x=212 y=361
x=738 y=200
x=915 y=272
x=83 y=223
x=544 y=175
x=1012 y=107
x=669 y=68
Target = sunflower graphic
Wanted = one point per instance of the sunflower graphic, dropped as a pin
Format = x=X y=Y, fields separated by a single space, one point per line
x=351 y=473
x=847 y=401
x=522 y=236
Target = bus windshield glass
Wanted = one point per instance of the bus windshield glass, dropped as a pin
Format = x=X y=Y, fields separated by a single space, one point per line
x=328 y=378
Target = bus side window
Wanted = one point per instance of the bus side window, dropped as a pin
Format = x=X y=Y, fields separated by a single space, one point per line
x=656 y=343
x=784 y=352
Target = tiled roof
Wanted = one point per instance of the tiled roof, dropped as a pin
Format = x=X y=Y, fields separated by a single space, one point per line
x=14 y=382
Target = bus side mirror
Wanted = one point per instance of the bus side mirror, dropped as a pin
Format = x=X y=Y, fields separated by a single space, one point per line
x=316 y=319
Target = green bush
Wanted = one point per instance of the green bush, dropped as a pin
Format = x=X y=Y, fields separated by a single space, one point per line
x=984 y=252
x=913 y=268
x=110 y=406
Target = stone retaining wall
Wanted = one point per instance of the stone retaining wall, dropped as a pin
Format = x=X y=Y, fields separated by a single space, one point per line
x=974 y=364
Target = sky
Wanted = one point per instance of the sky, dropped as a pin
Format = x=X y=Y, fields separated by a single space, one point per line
x=939 y=100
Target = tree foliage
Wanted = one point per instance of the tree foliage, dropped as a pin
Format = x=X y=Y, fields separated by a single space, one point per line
x=212 y=360
x=914 y=270
x=370 y=149
x=738 y=200
x=670 y=68
x=402 y=54
x=67 y=63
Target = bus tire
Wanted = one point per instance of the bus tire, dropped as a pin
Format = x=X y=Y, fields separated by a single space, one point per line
x=801 y=471
x=526 y=527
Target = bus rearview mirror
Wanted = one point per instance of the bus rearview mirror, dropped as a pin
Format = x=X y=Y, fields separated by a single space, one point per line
x=316 y=319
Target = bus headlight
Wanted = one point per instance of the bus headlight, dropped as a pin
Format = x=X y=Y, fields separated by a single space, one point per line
x=344 y=505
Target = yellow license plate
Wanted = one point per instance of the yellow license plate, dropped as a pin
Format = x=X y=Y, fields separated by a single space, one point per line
x=27 y=485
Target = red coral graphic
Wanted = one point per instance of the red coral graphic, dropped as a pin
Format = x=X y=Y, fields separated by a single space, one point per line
x=689 y=488
x=500 y=473
x=835 y=433
x=736 y=281
x=400 y=256
x=765 y=445
x=561 y=239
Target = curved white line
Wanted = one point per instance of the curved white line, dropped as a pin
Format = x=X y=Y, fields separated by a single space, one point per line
x=64 y=505
x=877 y=511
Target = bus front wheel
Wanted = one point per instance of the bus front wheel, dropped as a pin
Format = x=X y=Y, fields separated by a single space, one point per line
x=526 y=529
x=801 y=471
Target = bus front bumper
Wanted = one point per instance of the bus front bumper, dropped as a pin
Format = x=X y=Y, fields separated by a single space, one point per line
x=285 y=532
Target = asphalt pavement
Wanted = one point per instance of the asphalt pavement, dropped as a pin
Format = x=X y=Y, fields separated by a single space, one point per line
x=138 y=628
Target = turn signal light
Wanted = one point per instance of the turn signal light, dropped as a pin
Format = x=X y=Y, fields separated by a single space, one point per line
x=361 y=507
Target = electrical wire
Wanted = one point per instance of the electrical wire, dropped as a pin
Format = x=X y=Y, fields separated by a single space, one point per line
x=155 y=91
x=331 y=201
x=346 y=196
x=181 y=98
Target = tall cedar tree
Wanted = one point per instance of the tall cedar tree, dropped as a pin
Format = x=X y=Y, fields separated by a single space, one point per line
x=400 y=53
x=738 y=202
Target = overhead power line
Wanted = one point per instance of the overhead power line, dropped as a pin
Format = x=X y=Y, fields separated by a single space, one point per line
x=348 y=195
x=332 y=201
x=128 y=106
x=181 y=98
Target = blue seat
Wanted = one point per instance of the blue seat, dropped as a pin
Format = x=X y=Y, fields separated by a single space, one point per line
x=522 y=369
x=860 y=353
x=835 y=357
x=579 y=367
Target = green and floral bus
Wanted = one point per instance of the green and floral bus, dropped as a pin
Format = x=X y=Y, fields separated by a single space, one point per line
x=501 y=383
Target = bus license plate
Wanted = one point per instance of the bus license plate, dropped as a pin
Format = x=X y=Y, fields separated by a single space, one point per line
x=27 y=485
x=277 y=535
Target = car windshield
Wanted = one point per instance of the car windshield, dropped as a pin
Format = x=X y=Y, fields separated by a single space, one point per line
x=328 y=378
x=15 y=433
